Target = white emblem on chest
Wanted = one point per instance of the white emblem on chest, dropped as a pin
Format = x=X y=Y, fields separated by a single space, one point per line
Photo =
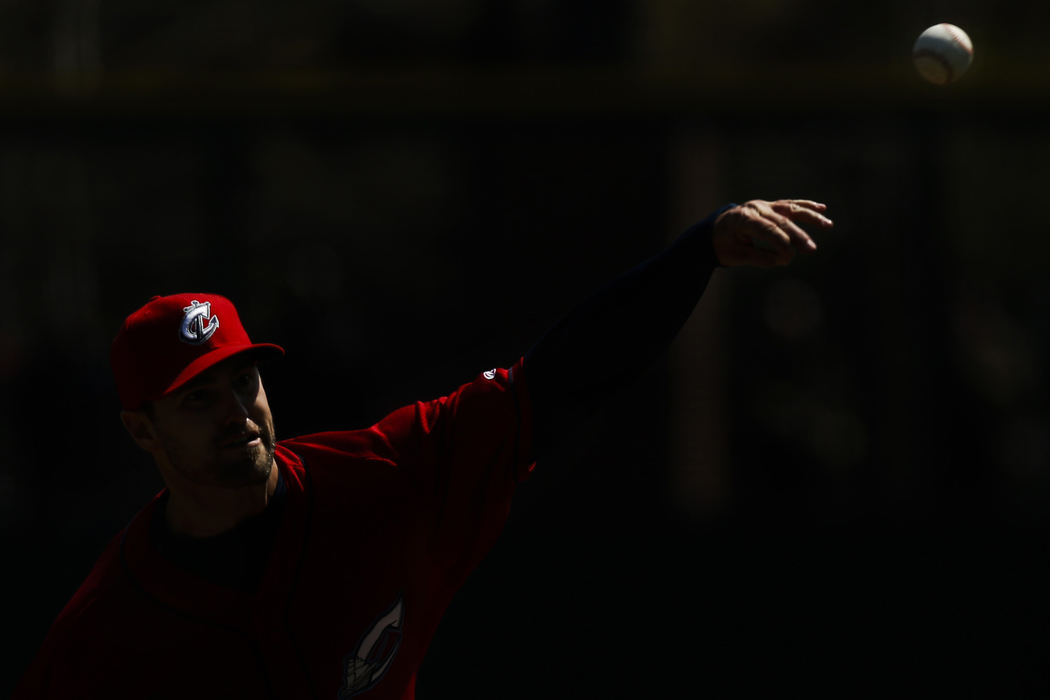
x=365 y=666
x=192 y=330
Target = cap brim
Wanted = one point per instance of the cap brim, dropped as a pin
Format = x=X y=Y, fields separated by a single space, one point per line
x=205 y=362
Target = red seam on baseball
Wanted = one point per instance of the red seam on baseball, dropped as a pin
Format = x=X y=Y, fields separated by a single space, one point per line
x=927 y=53
x=957 y=37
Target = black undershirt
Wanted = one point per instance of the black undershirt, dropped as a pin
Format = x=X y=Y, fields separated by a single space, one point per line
x=235 y=558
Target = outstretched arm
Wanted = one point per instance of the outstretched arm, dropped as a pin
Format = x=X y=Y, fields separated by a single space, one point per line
x=613 y=336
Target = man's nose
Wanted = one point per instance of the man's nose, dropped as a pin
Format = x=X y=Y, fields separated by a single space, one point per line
x=236 y=406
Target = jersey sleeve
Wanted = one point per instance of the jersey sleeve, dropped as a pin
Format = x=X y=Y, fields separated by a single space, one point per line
x=458 y=458
x=467 y=452
x=481 y=432
x=482 y=427
x=475 y=447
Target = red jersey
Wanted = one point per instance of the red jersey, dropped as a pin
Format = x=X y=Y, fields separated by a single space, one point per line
x=379 y=529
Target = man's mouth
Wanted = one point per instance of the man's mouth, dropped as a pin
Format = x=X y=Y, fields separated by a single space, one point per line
x=241 y=441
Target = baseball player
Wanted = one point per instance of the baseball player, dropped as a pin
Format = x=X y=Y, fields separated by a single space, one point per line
x=320 y=566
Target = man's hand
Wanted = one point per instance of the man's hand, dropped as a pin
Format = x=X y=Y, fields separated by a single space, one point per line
x=767 y=234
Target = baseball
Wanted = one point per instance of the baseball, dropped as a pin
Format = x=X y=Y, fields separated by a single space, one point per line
x=942 y=53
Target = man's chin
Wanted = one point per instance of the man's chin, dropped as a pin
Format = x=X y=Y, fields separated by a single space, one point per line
x=250 y=468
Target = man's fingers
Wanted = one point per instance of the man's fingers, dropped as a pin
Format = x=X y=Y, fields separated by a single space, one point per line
x=807 y=203
x=793 y=215
x=752 y=224
x=804 y=211
x=777 y=231
x=797 y=234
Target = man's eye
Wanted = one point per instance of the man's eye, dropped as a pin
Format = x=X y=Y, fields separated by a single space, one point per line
x=198 y=396
x=246 y=379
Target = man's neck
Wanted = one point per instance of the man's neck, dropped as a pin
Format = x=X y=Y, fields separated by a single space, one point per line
x=206 y=513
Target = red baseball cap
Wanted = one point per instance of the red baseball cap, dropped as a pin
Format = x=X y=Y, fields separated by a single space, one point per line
x=172 y=339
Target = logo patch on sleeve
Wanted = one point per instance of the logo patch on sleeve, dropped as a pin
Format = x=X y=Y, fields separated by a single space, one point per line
x=490 y=374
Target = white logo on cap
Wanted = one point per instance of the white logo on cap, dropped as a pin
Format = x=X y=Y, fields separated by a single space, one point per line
x=192 y=330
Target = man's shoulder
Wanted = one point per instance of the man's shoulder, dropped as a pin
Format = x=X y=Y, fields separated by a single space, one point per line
x=493 y=399
x=338 y=445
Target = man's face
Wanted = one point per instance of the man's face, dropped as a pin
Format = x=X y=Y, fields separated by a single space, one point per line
x=217 y=429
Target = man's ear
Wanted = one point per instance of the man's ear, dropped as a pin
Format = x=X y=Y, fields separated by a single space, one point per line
x=140 y=428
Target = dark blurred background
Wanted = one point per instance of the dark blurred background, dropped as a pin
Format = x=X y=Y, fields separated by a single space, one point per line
x=836 y=479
